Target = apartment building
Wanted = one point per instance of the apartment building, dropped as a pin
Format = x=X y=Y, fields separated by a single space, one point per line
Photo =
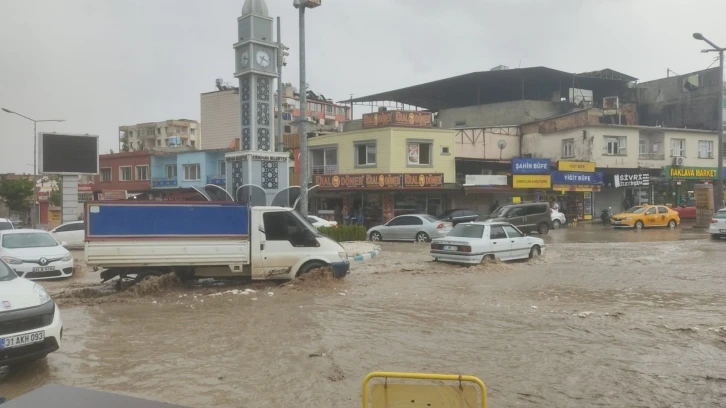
x=171 y=133
x=123 y=173
x=174 y=174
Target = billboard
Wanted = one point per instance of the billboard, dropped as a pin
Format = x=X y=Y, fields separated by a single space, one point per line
x=67 y=154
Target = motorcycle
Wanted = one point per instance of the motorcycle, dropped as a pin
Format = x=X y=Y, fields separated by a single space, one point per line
x=605 y=215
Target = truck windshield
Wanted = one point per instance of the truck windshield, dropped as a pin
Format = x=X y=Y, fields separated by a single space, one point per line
x=306 y=223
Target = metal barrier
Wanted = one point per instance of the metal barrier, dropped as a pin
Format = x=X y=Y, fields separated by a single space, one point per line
x=387 y=395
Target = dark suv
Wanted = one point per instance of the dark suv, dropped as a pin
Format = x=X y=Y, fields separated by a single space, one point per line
x=457 y=216
x=528 y=217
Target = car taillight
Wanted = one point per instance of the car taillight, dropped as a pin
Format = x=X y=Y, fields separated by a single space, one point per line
x=713 y=221
x=441 y=226
x=465 y=249
x=435 y=246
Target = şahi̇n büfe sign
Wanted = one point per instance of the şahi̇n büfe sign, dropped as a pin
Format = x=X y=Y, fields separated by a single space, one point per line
x=68 y=154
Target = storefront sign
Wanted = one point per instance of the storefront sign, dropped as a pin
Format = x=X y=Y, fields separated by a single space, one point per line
x=85 y=187
x=690 y=173
x=531 y=181
x=631 y=180
x=485 y=180
x=530 y=166
x=264 y=157
x=113 y=195
x=569 y=177
x=396 y=118
x=43 y=196
x=379 y=181
x=575 y=187
x=576 y=166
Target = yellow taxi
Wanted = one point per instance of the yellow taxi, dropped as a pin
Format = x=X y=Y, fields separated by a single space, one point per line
x=646 y=216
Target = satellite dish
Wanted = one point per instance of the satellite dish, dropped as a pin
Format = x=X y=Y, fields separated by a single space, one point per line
x=311 y=193
x=502 y=144
x=217 y=193
x=202 y=193
x=252 y=195
x=286 y=197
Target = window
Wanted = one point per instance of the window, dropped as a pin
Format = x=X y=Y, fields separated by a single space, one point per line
x=497 y=232
x=568 y=148
x=158 y=131
x=643 y=147
x=419 y=154
x=365 y=154
x=131 y=133
x=512 y=232
x=124 y=173
x=444 y=150
x=705 y=149
x=192 y=142
x=615 y=146
x=460 y=123
x=170 y=171
x=662 y=210
x=194 y=131
x=158 y=142
x=408 y=220
x=105 y=175
x=288 y=129
x=191 y=172
x=222 y=167
x=536 y=209
x=324 y=161
x=328 y=109
x=142 y=173
x=74 y=226
x=650 y=211
x=288 y=226
x=166 y=130
x=678 y=147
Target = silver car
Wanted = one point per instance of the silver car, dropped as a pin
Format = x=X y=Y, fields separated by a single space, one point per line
x=412 y=227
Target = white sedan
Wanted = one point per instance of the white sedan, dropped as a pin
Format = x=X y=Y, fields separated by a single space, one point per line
x=319 y=222
x=474 y=242
x=35 y=254
x=72 y=233
x=31 y=322
x=717 y=229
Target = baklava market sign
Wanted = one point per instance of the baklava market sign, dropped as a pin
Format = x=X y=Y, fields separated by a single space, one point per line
x=384 y=181
x=690 y=173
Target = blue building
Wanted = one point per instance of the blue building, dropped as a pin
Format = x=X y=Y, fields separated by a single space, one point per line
x=179 y=171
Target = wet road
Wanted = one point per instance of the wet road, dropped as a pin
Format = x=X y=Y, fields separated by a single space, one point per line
x=604 y=318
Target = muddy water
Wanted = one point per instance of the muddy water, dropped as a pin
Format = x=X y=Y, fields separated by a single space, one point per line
x=633 y=323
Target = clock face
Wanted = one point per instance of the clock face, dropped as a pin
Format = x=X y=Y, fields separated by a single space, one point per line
x=263 y=59
x=244 y=59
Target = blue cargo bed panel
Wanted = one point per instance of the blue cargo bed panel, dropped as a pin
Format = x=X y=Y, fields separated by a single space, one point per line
x=128 y=220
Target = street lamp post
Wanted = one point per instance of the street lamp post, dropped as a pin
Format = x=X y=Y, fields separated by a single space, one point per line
x=301 y=5
x=36 y=209
x=718 y=188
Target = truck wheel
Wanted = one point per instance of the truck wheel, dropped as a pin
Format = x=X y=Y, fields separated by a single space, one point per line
x=543 y=228
x=310 y=266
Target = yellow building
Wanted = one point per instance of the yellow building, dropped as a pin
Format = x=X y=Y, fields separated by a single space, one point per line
x=396 y=165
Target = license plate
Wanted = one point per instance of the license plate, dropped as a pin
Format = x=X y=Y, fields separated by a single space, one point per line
x=722 y=231
x=450 y=248
x=44 y=269
x=22 y=340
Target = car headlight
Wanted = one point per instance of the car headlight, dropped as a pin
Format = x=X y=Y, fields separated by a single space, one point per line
x=42 y=294
x=628 y=218
x=67 y=258
x=343 y=255
x=12 y=261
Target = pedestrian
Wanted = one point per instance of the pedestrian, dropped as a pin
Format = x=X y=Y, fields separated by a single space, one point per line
x=494 y=206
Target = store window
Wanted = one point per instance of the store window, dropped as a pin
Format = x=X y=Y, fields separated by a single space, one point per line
x=125 y=173
x=615 y=146
x=365 y=154
x=568 y=148
x=419 y=153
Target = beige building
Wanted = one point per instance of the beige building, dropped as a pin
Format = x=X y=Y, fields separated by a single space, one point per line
x=170 y=133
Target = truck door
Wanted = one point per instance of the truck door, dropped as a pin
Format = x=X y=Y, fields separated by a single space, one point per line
x=284 y=242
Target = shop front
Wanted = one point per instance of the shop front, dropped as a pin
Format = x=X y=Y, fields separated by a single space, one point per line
x=530 y=179
x=623 y=189
x=373 y=199
x=574 y=192
x=680 y=182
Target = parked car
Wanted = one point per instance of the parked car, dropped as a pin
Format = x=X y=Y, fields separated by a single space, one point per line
x=413 y=227
x=647 y=216
x=72 y=233
x=687 y=210
x=6 y=224
x=35 y=254
x=558 y=219
x=528 y=217
x=471 y=243
x=459 y=215
x=319 y=222
x=717 y=229
x=31 y=321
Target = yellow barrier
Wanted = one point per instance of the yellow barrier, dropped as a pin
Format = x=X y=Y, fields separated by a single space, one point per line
x=406 y=391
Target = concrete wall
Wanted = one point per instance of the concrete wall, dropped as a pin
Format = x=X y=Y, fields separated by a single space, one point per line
x=500 y=114
x=482 y=143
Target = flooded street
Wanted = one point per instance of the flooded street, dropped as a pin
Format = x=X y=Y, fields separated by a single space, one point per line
x=604 y=318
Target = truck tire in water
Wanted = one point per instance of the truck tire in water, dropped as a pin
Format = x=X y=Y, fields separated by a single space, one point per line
x=306 y=268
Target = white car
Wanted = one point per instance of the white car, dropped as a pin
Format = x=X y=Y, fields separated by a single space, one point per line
x=35 y=254
x=471 y=243
x=6 y=224
x=319 y=222
x=72 y=233
x=558 y=219
x=30 y=322
x=717 y=229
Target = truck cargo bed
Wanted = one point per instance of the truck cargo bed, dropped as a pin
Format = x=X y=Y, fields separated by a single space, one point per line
x=169 y=252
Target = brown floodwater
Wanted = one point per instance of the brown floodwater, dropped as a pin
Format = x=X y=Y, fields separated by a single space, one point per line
x=604 y=318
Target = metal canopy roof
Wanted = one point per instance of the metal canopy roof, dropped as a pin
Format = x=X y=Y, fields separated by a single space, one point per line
x=483 y=87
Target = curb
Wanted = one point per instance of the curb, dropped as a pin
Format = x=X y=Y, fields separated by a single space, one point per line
x=365 y=256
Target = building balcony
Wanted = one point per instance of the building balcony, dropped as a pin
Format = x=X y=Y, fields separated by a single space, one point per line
x=651 y=156
x=218 y=179
x=162 y=182
x=324 y=169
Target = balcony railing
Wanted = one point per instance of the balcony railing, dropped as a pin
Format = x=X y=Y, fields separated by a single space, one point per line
x=325 y=169
x=652 y=156
x=161 y=182
x=217 y=179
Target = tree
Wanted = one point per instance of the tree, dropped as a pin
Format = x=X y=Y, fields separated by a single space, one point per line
x=55 y=197
x=17 y=193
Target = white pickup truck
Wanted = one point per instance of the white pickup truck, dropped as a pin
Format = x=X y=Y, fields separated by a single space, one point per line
x=135 y=240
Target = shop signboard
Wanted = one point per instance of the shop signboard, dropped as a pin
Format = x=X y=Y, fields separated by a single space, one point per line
x=485 y=180
x=690 y=173
x=530 y=166
x=113 y=195
x=572 y=177
x=578 y=166
x=43 y=196
x=539 y=181
x=576 y=187
x=631 y=180
x=396 y=118
x=385 y=181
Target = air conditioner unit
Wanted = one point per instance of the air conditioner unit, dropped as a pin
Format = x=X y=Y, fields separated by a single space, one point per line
x=679 y=161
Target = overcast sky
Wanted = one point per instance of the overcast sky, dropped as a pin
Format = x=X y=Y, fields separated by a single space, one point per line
x=100 y=64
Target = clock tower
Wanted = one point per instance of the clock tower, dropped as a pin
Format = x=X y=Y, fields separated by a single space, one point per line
x=256 y=163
